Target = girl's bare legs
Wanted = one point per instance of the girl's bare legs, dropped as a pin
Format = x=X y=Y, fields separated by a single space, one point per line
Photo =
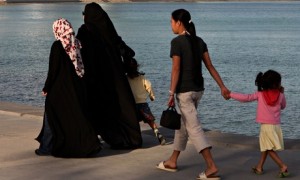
x=275 y=158
x=152 y=125
x=261 y=162
x=159 y=136
x=210 y=164
x=278 y=161
x=172 y=161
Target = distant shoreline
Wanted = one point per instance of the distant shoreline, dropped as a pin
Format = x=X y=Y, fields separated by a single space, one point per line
x=129 y=1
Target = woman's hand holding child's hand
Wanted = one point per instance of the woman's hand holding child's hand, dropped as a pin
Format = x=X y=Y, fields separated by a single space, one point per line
x=225 y=93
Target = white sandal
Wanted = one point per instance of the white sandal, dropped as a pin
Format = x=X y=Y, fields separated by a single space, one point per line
x=211 y=177
x=163 y=167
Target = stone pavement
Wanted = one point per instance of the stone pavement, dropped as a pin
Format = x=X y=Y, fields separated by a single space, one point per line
x=234 y=155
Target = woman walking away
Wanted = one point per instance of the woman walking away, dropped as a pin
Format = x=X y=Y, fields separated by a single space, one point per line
x=187 y=53
x=66 y=132
x=111 y=105
x=271 y=100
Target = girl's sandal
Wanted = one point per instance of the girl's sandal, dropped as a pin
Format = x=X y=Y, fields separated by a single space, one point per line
x=256 y=171
x=283 y=174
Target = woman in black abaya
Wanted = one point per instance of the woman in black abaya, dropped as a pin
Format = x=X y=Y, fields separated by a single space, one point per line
x=111 y=106
x=66 y=132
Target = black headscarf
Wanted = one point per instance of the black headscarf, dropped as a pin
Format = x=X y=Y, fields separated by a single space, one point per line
x=96 y=19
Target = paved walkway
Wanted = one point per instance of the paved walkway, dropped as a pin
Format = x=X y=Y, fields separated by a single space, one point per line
x=234 y=155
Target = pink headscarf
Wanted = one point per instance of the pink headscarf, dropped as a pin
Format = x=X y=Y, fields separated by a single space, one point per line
x=63 y=31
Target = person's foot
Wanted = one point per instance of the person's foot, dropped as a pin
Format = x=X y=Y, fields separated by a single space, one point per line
x=40 y=153
x=284 y=172
x=257 y=171
x=164 y=167
x=170 y=164
x=211 y=172
x=203 y=176
x=161 y=139
x=284 y=168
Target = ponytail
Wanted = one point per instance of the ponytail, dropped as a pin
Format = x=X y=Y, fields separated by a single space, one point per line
x=268 y=80
x=195 y=47
x=258 y=81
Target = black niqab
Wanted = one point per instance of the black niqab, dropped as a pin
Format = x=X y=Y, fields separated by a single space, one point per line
x=111 y=105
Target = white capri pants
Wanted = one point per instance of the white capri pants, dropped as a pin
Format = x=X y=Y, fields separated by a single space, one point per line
x=190 y=125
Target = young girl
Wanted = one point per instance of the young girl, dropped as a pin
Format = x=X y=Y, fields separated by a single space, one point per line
x=141 y=89
x=271 y=101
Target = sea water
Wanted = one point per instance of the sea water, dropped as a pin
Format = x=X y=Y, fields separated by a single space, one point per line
x=243 y=38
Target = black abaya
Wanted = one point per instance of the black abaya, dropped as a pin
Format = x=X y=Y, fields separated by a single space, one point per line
x=111 y=106
x=73 y=135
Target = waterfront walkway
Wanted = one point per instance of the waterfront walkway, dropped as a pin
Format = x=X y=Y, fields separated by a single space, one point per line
x=234 y=155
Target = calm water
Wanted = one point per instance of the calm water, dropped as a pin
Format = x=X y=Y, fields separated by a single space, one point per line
x=243 y=39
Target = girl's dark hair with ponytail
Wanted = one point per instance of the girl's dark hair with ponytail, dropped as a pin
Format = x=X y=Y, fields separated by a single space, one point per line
x=268 y=80
x=258 y=81
x=131 y=68
x=184 y=17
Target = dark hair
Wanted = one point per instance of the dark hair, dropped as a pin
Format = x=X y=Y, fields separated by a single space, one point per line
x=268 y=80
x=131 y=68
x=184 y=17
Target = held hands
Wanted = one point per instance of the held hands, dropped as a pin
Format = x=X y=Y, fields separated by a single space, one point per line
x=225 y=93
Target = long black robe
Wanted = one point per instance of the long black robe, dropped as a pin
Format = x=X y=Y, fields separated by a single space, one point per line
x=111 y=106
x=73 y=134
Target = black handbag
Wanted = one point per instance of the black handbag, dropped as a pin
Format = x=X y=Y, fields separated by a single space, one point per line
x=170 y=118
